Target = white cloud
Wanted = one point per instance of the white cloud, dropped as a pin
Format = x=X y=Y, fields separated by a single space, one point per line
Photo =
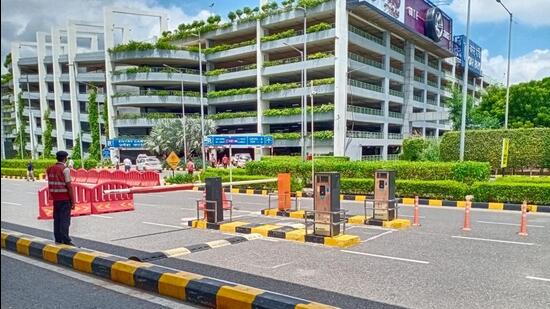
x=530 y=12
x=22 y=19
x=533 y=65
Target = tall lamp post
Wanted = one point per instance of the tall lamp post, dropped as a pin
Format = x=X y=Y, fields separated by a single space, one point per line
x=304 y=85
x=508 y=70
x=465 y=85
x=304 y=101
x=311 y=94
x=31 y=130
x=183 y=119
x=198 y=35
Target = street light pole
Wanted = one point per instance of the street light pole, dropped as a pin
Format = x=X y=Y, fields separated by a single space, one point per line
x=465 y=85
x=304 y=84
x=303 y=103
x=312 y=140
x=183 y=119
x=508 y=69
x=30 y=119
x=202 y=103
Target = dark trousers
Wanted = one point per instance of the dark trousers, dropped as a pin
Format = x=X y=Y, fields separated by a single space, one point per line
x=61 y=221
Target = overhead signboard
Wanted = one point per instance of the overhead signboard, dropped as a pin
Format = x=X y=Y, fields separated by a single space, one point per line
x=238 y=140
x=125 y=143
x=474 y=56
x=393 y=8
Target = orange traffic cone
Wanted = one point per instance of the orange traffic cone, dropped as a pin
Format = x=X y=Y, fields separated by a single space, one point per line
x=416 y=218
x=466 y=226
x=523 y=223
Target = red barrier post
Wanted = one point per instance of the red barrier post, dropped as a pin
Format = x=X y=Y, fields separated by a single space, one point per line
x=467 y=226
x=523 y=223
x=416 y=217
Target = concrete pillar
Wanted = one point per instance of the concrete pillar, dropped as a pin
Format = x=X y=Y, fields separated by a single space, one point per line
x=59 y=124
x=341 y=76
x=16 y=73
x=73 y=86
x=408 y=70
x=42 y=86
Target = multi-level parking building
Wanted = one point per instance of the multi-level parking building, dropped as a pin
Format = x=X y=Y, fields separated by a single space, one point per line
x=376 y=71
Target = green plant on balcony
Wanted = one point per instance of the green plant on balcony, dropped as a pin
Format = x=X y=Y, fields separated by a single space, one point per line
x=310 y=3
x=216 y=72
x=319 y=27
x=223 y=47
x=323 y=81
x=6 y=78
x=295 y=135
x=231 y=115
x=323 y=134
x=280 y=35
x=279 y=87
x=278 y=112
x=319 y=55
x=230 y=92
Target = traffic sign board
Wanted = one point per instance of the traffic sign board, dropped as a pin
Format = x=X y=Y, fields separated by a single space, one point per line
x=239 y=140
x=106 y=153
x=173 y=160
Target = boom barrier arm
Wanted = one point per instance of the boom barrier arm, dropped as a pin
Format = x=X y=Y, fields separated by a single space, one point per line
x=189 y=186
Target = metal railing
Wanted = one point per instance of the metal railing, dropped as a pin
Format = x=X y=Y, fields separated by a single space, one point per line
x=418 y=98
x=395 y=115
x=275 y=196
x=419 y=58
x=365 y=110
x=271 y=63
x=398 y=49
x=318 y=217
x=360 y=84
x=432 y=83
x=372 y=158
x=395 y=136
x=148 y=69
x=396 y=71
x=392 y=204
x=392 y=157
x=214 y=210
x=162 y=93
x=366 y=35
x=396 y=93
x=365 y=134
x=419 y=78
x=433 y=64
x=365 y=60
x=431 y=102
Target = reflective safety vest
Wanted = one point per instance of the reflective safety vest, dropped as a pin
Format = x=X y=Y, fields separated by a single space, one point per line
x=56 y=182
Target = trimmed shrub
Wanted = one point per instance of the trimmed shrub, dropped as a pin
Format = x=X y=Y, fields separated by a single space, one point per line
x=15 y=172
x=413 y=148
x=535 y=193
x=440 y=189
x=356 y=186
x=180 y=178
x=524 y=179
x=41 y=165
x=528 y=147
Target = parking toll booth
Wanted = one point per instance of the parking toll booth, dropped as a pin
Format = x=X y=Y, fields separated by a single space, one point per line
x=384 y=196
x=214 y=199
x=283 y=191
x=327 y=204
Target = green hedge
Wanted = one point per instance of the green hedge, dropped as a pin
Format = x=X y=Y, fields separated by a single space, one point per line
x=528 y=147
x=523 y=179
x=438 y=189
x=534 y=193
x=458 y=171
x=41 y=165
x=15 y=172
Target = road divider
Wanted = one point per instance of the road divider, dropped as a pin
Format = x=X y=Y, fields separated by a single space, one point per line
x=181 y=285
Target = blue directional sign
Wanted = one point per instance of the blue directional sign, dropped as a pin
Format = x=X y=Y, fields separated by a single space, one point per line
x=239 y=140
x=106 y=153
x=125 y=143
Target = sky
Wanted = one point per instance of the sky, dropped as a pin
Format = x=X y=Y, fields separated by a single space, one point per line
x=20 y=19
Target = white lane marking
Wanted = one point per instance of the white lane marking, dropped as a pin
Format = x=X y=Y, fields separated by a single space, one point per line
x=368 y=227
x=188 y=218
x=538 y=278
x=496 y=240
x=407 y=216
x=387 y=257
x=376 y=236
x=102 y=216
x=7 y=190
x=160 y=224
x=504 y=223
x=149 y=297
x=10 y=203
x=269 y=239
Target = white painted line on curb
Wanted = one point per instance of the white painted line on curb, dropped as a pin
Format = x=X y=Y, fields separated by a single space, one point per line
x=496 y=240
x=407 y=216
x=160 y=224
x=387 y=257
x=10 y=203
x=102 y=216
x=109 y=285
x=538 y=278
x=376 y=236
x=504 y=223
x=188 y=219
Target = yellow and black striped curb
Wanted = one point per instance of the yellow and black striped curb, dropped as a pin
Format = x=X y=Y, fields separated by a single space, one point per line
x=409 y=201
x=278 y=231
x=193 y=288
x=176 y=252
x=352 y=219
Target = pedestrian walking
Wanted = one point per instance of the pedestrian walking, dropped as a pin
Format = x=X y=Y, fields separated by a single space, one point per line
x=71 y=163
x=127 y=165
x=30 y=171
x=116 y=162
x=60 y=191
x=190 y=167
x=225 y=161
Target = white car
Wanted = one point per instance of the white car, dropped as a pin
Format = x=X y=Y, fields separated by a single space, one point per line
x=148 y=164
x=240 y=159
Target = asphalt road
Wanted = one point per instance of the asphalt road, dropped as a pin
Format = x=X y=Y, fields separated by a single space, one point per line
x=436 y=265
x=26 y=285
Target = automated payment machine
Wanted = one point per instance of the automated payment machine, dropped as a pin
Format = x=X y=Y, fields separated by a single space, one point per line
x=384 y=195
x=327 y=203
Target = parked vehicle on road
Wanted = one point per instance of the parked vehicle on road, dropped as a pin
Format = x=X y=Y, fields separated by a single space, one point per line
x=148 y=163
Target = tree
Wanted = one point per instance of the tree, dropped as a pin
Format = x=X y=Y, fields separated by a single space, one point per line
x=239 y=12
x=7 y=62
x=211 y=20
x=247 y=11
x=167 y=136
x=232 y=16
x=93 y=118
x=273 y=5
x=455 y=108
x=105 y=115
x=76 y=149
x=47 y=139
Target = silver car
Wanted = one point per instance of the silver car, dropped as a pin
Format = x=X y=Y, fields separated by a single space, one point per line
x=148 y=164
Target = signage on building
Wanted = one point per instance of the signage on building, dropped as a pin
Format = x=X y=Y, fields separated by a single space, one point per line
x=125 y=143
x=429 y=20
x=505 y=150
x=238 y=140
x=474 y=56
x=420 y=16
